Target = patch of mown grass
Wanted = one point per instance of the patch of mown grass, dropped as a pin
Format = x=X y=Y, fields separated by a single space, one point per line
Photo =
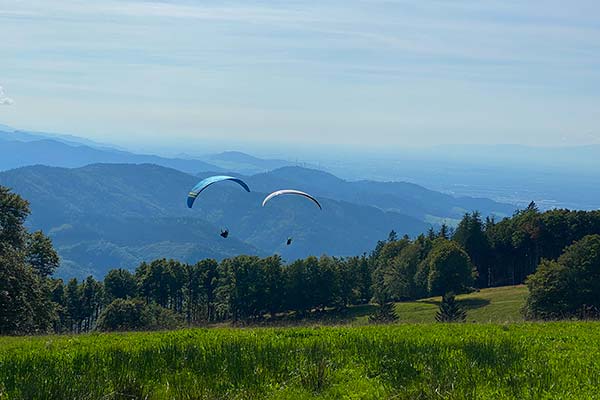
x=501 y=304
x=407 y=361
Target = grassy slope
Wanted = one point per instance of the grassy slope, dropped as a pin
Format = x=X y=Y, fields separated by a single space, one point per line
x=502 y=304
x=496 y=305
x=408 y=361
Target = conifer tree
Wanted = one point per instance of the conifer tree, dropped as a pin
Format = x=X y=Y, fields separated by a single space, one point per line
x=386 y=313
x=449 y=310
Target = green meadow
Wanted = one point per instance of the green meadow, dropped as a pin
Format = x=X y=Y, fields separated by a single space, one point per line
x=405 y=361
x=501 y=304
x=498 y=305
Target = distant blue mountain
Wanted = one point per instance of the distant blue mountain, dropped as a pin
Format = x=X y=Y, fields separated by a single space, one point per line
x=115 y=215
x=401 y=197
x=21 y=149
x=107 y=208
x=9 y=133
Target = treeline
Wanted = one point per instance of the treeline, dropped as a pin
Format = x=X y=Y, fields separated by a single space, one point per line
x=508 y=251
x=568 y=287
x=242 y=288
x=250 y=288
x=162 y=293
x=501 y=253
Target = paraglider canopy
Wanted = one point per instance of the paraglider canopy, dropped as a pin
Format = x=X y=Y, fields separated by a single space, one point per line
x=290 y=191
x=203 y=184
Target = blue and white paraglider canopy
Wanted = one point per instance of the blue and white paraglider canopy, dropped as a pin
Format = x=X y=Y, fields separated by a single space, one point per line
x=203 y=184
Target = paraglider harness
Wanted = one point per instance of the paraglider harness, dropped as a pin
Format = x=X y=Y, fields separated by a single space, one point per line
x=224 y=233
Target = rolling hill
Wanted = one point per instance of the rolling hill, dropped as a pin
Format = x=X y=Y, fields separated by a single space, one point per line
x=107 y=208
x=114 y=215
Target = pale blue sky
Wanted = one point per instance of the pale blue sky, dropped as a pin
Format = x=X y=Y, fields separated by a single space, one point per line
x=369 y=73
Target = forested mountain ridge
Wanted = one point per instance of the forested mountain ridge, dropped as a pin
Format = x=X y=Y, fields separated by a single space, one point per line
x=99 y=217
x=94 y=244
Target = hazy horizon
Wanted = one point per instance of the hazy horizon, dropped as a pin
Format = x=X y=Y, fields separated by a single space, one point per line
x=304 y=152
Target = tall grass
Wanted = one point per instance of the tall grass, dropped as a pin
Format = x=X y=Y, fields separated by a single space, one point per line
x=466 y=361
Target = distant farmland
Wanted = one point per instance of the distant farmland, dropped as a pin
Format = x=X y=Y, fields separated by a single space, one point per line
x=407 y=361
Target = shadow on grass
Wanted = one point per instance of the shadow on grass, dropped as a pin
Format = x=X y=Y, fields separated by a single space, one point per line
x=329 y=316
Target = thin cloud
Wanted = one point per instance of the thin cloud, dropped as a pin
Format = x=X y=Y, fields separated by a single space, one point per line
x=4 y=100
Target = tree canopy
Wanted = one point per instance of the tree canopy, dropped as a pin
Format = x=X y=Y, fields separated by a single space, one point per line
x=569 y=285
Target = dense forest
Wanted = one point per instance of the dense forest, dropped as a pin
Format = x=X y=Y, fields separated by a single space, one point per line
x=161 y=293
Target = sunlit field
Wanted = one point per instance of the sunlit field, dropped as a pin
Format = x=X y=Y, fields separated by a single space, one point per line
x=406 y=361
x=501 y=304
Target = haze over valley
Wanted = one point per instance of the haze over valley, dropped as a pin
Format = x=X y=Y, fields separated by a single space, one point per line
x=107 y=208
